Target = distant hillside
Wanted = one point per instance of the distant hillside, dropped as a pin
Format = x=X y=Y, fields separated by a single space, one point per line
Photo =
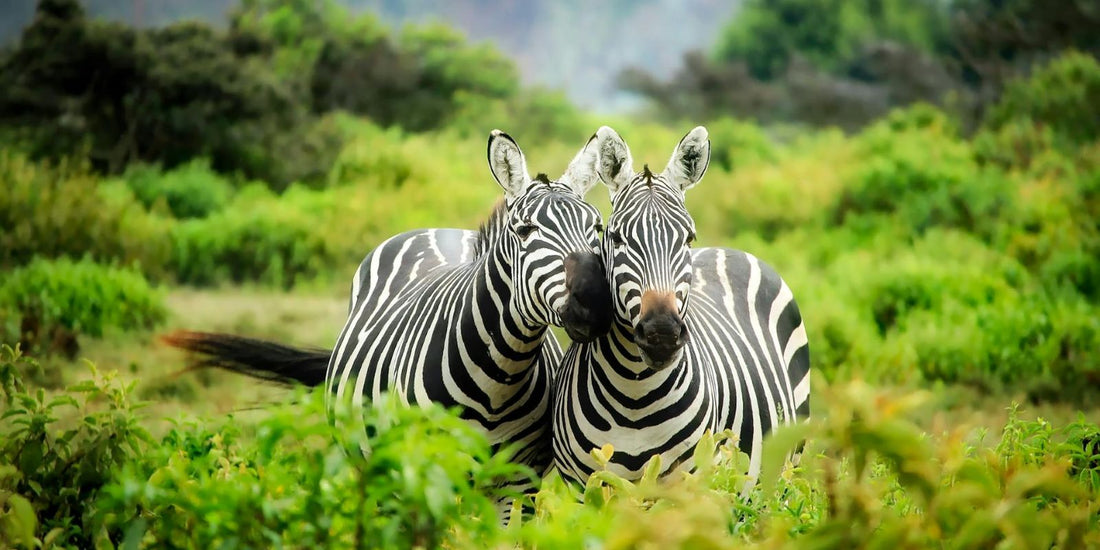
x=575 y=45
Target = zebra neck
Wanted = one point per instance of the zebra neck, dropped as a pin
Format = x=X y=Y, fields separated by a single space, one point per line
x=510 y=343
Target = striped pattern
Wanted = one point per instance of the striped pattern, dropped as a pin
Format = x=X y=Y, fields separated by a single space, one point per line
x=744 y=366
x=460 y=318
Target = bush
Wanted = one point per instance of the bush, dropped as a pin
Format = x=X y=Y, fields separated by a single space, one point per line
x=1047 y=348
x=83 y=297
x=735 y=144
x=428 y=479
x=534 y=116
x=52 y=469
x=63 y=211
x=191 y=190
x=260 y=237
x=1063 y=96
x=374 y=154
x=926 y=176
x=870 y=477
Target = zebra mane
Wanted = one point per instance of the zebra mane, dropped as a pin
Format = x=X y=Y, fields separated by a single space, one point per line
x=496 y=217
x=489 y=227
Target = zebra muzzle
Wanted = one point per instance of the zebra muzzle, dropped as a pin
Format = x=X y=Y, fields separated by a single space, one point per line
x=587 y=311
x=660 y=337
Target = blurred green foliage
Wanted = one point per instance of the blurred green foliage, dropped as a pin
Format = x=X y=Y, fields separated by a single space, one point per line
x=191 y=190
x=847 y=63
x=1061 y=96
x=828 y=33
x=251 y=99
x=63 y=210
x=58 y=452
x=917 y=253
x=80 y=471
x=79 y=298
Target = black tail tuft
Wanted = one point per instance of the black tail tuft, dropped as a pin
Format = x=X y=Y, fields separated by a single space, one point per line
x=252 y=357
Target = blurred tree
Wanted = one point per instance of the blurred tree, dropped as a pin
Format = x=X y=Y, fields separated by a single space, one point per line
x=343 y=62
x=828 y=33
x=846 y=62
x=251 y=99
x=121 y=95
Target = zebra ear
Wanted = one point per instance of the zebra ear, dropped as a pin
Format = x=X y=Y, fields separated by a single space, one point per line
x=690 y=159
x=507 y=164
x=613 y=161
x=581 y=174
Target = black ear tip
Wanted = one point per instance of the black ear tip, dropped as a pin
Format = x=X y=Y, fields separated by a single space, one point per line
x=500 y=134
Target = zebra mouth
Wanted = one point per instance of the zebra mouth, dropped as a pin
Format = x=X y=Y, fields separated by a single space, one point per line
x=661 y=339
x=658 y=360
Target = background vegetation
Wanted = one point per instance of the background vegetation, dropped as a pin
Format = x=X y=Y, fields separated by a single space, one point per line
x=945 y=252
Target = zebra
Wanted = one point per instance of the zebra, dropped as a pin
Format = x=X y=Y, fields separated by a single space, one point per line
x=460 y=318
x=704 y=339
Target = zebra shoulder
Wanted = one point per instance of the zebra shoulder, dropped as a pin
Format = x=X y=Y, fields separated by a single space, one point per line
x=737 y=269
x=396 y=258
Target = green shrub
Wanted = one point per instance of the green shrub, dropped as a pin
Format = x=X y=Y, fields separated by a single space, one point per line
x=373 y=154
x=1063 y=96
x=534 y=116
x=428 y=479
x=191 y=190
x=1044 y=346
x=735 y=143
x=869 y=479
x=57 y=453
x=260 y=237
x=926 y=176
x=53 y=211
x=78 y=470
x=1014 y=144
x=1053 y=229
x=83 y=297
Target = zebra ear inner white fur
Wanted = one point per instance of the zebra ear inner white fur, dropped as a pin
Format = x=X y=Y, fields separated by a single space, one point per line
x=614 y=163
x=581 y=174
x=508 y=165
x=690 y=159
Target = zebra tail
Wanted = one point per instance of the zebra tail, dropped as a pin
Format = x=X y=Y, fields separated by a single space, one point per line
x=252 y=357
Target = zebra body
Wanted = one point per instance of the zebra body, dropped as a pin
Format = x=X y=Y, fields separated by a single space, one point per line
x=743 y=324
x=704 y=339
x=459 y=318
x=433 y=325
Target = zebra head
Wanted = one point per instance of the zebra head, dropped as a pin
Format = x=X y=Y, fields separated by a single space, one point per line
x=647 y=246
x=552 y=235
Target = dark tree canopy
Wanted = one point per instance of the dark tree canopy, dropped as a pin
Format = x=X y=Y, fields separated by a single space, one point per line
x=250 y=98
x=847 y=62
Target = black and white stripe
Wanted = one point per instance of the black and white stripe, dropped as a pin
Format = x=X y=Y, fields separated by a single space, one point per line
x=704 y=339
x=459 y=318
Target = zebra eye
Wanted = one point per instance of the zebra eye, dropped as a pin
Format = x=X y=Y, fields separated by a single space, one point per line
x=690 y=239
x=616 y=239
x=599 y=228
x=525 y=230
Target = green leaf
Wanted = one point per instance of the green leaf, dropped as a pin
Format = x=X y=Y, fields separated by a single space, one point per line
x=652 y=469
x=703 y=456
x=776 y=447
x=24 y=521
x=134 y=534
